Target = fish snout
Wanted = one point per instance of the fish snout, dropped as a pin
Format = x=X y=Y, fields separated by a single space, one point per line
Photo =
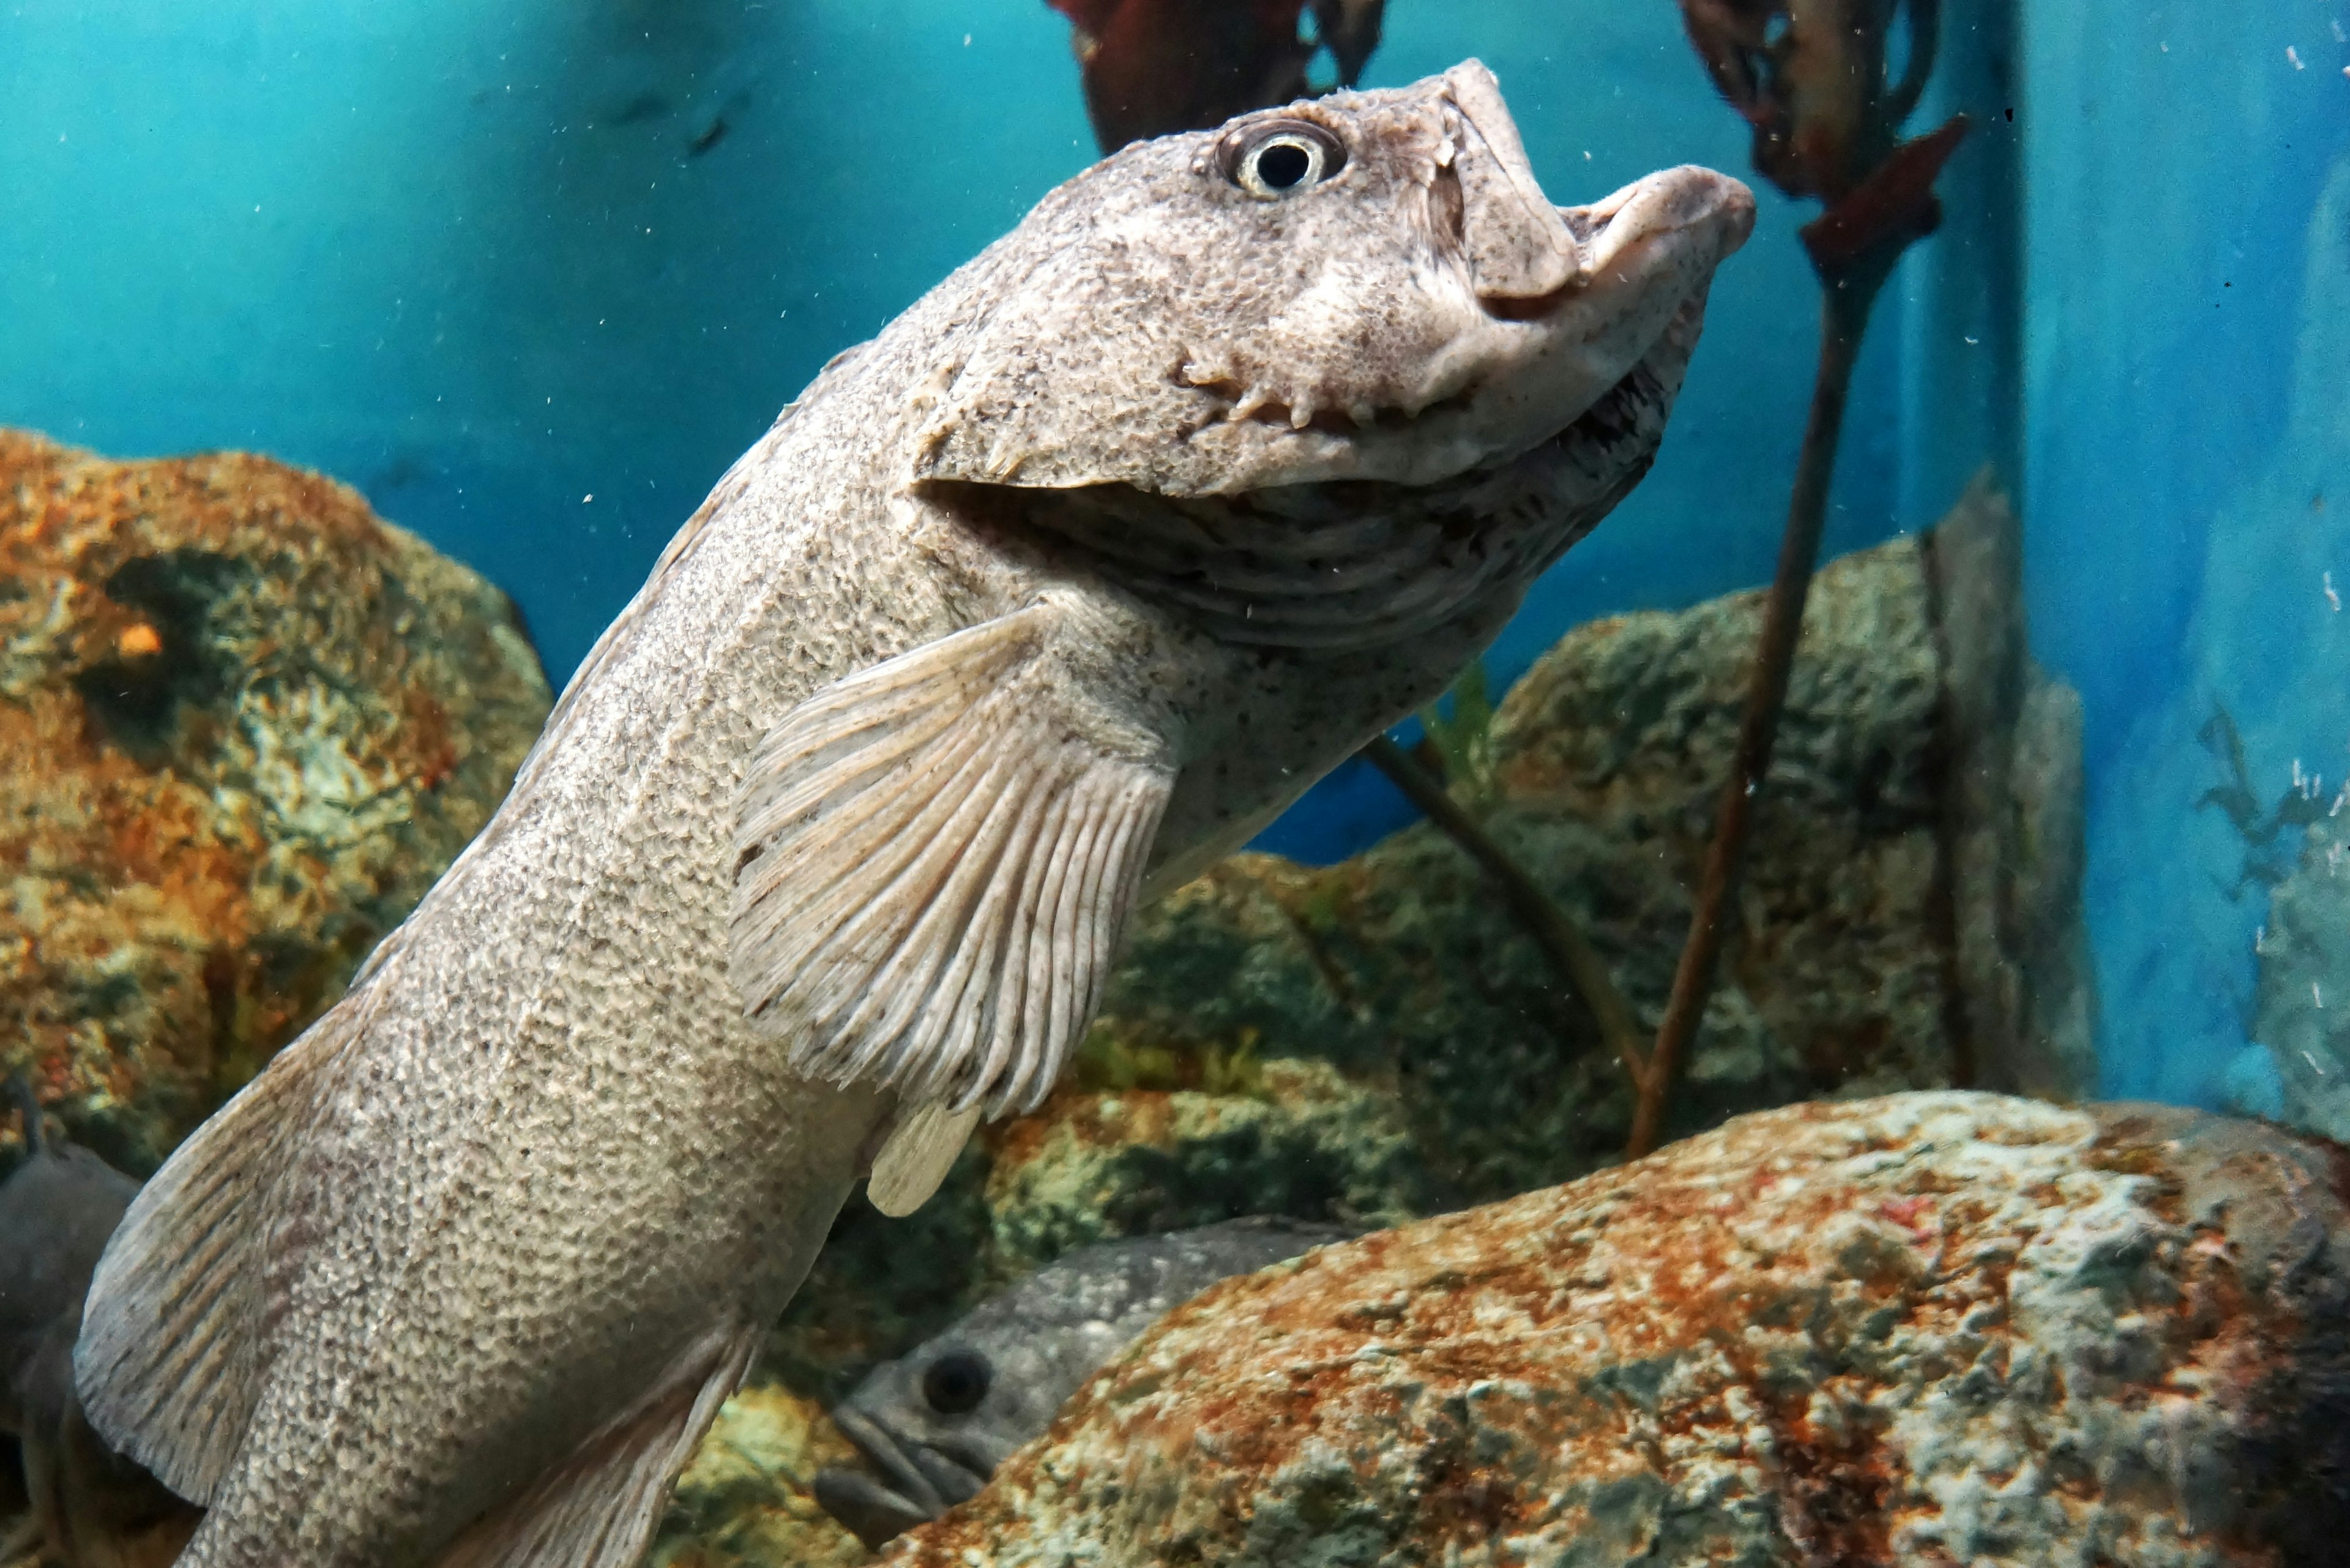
x=870 y=1511
x=1517 y=247
x=917 y=1480
x=1697 y=213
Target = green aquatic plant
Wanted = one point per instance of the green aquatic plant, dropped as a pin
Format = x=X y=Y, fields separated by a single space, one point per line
x=1108 y=1061
x=2271 y=848
x=1460 y=731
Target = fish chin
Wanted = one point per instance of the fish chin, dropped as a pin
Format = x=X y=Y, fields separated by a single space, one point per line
x=1347 y=564
x=921 y=1480
x=869 y=1509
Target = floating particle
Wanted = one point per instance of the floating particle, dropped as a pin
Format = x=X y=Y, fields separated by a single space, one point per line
x=2333 y=597
x=2292 y=55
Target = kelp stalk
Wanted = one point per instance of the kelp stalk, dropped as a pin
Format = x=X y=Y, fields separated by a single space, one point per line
x=1562 y=939
x=1844 y=316
x=1767 y=57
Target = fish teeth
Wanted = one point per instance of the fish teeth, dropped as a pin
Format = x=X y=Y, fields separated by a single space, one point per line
x=1252 y=400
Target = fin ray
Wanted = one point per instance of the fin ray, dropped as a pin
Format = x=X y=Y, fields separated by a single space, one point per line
x=169 y=1362
x=935 y=858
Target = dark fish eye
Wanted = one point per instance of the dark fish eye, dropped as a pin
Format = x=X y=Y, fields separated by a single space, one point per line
x=956 y=1382
x=1279 y=158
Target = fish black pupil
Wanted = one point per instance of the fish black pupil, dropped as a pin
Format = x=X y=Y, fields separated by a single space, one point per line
x=956 y=1382
x=1281 y=165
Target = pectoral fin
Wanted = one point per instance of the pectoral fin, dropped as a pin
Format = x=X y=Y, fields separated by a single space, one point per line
x=917 y=1157
x=935 y=859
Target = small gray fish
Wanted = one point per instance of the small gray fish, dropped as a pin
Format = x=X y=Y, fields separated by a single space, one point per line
x=1231 y=454
x=90 y=1508
x=938 y=1422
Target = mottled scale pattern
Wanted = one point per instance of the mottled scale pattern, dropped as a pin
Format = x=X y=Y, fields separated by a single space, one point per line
x=460 y=1278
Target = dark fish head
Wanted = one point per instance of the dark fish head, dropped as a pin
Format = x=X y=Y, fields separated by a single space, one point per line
x=934 y=1424
x=57 y=1210
x=1368 y=286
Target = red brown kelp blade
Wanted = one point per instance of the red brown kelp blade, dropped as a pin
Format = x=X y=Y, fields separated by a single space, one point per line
x=1889 y=211
x=1155 y=66
x=1811 y=78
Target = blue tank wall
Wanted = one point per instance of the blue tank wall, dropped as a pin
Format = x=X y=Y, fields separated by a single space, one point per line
x=2189 y=469
x=488 y=262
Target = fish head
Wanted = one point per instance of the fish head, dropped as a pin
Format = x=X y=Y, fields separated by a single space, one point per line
x=934 y=1424
x=1369 y=285
x=57 y=1211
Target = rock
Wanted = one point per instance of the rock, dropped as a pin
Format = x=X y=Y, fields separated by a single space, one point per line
x=1928 y=1329
x=744 y=1501
x=2299 y=1072
x=1379 y=1040
x=1097 y=1166
x=244 y=724
x=1910 y=916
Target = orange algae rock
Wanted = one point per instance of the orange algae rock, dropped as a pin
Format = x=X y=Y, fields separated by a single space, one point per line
x=1932 y=1329
x=244 y=724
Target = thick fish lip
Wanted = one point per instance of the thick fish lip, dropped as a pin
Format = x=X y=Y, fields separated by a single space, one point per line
x=924 y=1481
x=870 y=1511
x=1687 y=219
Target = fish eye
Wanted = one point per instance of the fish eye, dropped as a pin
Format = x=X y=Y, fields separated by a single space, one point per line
x=1281 y=158
x=956 y=1382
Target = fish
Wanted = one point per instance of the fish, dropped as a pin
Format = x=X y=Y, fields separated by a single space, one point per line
x=939 y=1420
x=88 y=1506
x=1153 y=67
x=1031 y=607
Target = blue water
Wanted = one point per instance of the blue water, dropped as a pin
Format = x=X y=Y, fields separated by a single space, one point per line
x=531 y=276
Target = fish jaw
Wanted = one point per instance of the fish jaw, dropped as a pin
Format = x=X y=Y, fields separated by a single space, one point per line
x=921 y=1481
x=866 y=1508
x=1422 y=313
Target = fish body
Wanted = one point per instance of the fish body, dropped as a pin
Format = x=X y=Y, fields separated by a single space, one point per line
x=90 y=1507
x=1231 y=453
x=938 y=1421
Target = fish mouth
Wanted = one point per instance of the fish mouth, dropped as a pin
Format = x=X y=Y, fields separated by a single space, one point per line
x=919 y=1483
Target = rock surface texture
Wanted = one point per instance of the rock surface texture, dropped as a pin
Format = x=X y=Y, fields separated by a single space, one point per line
x=244 y=724
x=2302 y=1007
x=1911 y=911
x=1931 y=1329
x=1378 y=1040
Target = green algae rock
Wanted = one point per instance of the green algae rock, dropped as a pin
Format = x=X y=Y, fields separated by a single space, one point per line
x=244 y=725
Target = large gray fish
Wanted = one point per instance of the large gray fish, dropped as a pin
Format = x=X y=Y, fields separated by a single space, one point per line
x=937 y=1422
x=87 y=1505
x=1235 y=451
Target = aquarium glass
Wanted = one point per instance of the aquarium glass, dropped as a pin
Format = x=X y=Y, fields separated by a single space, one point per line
x=2060 y=802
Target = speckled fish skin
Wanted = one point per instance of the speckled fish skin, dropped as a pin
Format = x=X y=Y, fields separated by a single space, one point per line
x=1050 y=595
x=1012 y=1361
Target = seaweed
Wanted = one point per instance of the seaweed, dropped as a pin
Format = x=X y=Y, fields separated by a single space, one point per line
x=2271 y=843
x=1458 y=733
x=1814 y=78
x=1152 y=67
